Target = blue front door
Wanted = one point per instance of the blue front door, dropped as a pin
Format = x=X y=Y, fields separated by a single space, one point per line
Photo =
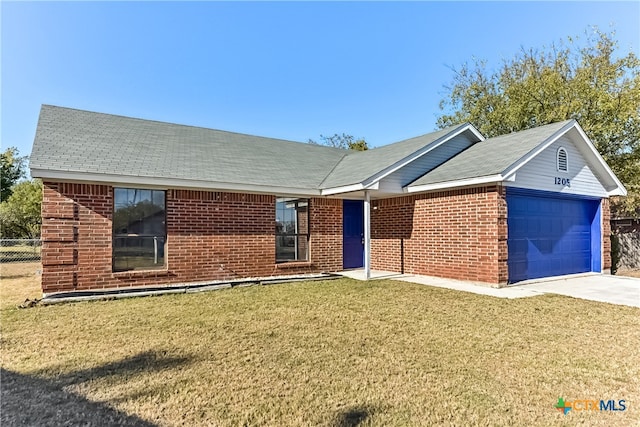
x=551 y=235
x=353 y=234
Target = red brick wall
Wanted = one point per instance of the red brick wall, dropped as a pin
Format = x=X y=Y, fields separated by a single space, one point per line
x=219 y=236
x=302 y=215
x=76 y=234
x=326 y=233
x=606 y=234
x=210 y=236
x=392 y=238
x=460 y=234
x=503 y=235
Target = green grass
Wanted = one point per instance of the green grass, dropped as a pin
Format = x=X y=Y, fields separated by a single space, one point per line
x=336 y=352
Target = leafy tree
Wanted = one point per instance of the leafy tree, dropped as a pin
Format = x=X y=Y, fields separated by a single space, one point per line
x=11 y=171
x=20 y=213
x=344 y=141
x=570 y=80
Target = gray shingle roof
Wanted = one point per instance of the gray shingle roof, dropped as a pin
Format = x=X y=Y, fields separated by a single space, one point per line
x=359 y=166
x=490 y=157
x=69 y=140
x=80 y=141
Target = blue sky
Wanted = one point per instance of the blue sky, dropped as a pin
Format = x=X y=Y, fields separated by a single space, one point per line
x=291 y=70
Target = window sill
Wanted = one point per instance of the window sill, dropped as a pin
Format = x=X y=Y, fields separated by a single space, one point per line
x=293 y=264
x=141 y=273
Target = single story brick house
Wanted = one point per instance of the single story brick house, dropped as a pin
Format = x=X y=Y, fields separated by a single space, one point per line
x=131 y=202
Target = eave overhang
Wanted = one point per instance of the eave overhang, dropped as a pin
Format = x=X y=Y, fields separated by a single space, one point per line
x=615 y=187
x=165 y=183
x=373 y=182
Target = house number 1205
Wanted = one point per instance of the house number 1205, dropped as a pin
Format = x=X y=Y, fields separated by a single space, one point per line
x=563 y=181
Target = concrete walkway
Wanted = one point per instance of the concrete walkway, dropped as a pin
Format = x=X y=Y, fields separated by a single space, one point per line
x=594 y=287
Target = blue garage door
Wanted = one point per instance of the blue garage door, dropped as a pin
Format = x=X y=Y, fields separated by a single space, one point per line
x=551 y=236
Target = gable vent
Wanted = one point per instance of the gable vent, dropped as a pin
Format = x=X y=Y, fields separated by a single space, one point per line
x=562 y=160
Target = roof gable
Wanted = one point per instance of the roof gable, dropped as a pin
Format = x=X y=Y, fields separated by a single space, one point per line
x=498 y=159
x=542 y=172
x=365 y=167
x=489 y=157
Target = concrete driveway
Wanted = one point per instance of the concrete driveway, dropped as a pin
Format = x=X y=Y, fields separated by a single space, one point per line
x=619 y=290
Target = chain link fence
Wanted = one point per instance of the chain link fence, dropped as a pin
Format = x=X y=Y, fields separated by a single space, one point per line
x=20 y=250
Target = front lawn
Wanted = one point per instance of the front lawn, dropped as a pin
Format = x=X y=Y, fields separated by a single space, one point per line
x=338 y=352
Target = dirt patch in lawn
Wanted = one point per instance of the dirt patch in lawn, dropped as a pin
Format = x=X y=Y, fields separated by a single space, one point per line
x=628 y=273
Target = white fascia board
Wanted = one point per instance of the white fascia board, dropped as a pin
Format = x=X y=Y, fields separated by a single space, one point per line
x=620 y=190
x=539 y=149
x=452 y=184
x=473 y=130
x=343 y=189
x=163 y=183
x=511 y=170
x=435 y=144
x=374 y=186
x=349 y=188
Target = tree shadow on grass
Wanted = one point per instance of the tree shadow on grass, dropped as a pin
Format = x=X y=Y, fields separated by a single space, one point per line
x=140 y=363
x=29 y=400
x=352 y=417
